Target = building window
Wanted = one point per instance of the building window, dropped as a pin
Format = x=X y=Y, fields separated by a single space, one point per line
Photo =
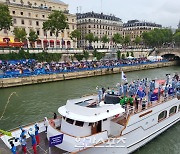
x=5 y=31
x=38 y=32
x=37 y=23
x=29 y=14
x=43 y=16
x=72 y=20
x=173 y=110
x=22 y=21
x=14 y=21
x=51 y=34
x=13 y=12
x=162 y=116
x=21 y=13
x=30 y=22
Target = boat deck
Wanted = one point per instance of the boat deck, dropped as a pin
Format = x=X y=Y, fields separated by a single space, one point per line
x=41 y=149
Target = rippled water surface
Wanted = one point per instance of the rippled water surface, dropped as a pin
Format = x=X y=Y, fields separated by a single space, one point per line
x=37 y=101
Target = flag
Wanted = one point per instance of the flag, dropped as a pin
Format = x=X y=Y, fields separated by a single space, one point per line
x=123 y=77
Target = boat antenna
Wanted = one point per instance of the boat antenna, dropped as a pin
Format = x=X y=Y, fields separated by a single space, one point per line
x=8 y=101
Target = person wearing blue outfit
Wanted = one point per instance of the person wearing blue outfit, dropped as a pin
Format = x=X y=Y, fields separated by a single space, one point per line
x=125 y=89
x=23 y=132
x=37 y=134
x=13 y=148
x=166 y=90
x=33 y=140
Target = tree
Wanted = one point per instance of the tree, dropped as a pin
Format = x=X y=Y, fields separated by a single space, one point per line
x=127 y=40
x=56 y=23
x=32 y=37
x=89 y=37
x=158 y=37
x=132 y=54
x=75 y=35
x=96 y=39
x=176 y=38
x=104 y=40
x=123 y=56
x=138 y=40
x=117 y=39
x=86 y=55
x=118 y=55
x=5 y=17
x=20 y=34
x=79 y=57
x=127 y=54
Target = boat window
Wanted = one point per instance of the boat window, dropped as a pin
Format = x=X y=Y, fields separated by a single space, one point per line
x=179 y=108
x=162 y=115
x=70 y=121
x=91 y=124
x=172 y=110
x=105 y=119
x=79 y=123
x=64 y=118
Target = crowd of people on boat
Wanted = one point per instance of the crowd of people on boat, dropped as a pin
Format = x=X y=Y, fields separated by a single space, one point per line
x=29 y=67
x=148 y=90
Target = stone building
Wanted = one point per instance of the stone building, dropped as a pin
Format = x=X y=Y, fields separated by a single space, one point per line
x=135 y=28
x=99 y=25
x=30 y=14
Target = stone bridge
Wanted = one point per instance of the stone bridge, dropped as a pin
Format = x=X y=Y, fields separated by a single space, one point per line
x=167 y=51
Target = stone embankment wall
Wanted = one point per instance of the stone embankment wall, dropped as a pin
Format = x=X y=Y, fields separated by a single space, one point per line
x=11 y=82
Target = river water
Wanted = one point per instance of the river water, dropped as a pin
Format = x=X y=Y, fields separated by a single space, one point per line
x=34 y=102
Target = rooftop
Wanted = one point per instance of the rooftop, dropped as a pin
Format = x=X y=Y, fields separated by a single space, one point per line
x=97 y=15
x=83 y=109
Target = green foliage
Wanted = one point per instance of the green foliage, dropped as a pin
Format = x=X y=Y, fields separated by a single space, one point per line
x=96 y=39
x=104 y=40
x=132 y=54
x=123 y=56
x=127 y=54
x=98 y=55
x=86 y=54
x=118 y=55
x=157 y=37
x=127 y=40
x=5 y=17
x=20 y=34
x=117 y=38
x=56 y=23
x=78 y=56
x=138 y=40
x=75 y=35
x=41 y=57
x=176 y=38
x=32 y=37
x=89 y=37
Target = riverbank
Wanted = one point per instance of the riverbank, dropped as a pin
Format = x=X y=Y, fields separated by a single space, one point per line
x=12 y=82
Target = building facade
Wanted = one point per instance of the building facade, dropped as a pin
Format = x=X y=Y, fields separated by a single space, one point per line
x=135 y=28
x=99 y=25
x=30 y=14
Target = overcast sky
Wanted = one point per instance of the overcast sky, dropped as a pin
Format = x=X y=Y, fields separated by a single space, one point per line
x=165 y=12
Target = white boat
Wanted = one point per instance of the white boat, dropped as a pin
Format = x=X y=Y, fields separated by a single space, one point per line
x=88 y=126
x=91 y=127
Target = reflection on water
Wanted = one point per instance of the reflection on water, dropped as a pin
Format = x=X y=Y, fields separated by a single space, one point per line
x=37 y=101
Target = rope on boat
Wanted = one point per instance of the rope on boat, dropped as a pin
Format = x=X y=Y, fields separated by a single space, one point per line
x=8 y=101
